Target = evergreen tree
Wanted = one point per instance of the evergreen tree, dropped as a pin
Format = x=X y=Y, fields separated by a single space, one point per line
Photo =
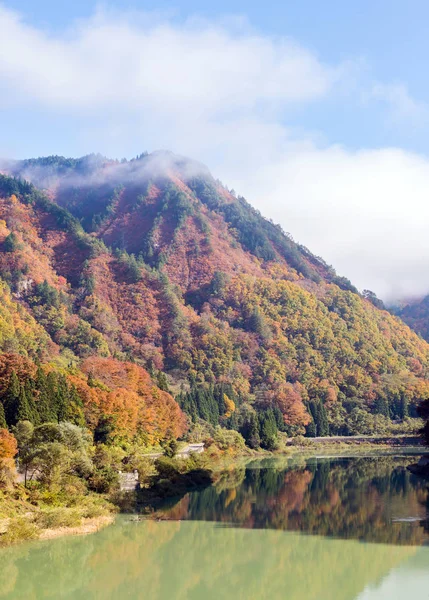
x=381 y=407
x=11 y=399
x=11 y=243
x=268 y=430
x=404 y=409
x=91 y=381
x=29 y=393
x=162 y=381
x=51 y=393
x=62 y=399
x=23 y=411
x=74 y=412
x=250 y=431
x=311 y=430
x=322 y=419
x=3 y=424
x=45 y=402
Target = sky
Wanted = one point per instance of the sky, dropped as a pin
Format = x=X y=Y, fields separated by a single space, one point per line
x=316 y=112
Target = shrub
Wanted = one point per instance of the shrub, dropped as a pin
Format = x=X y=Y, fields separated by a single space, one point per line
x=19 y=529
x=104 y=480
x=58 y=517
x=228 y=438
x=300 y=440
x=166 y=467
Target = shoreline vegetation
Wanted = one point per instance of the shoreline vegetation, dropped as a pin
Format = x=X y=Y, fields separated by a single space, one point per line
x=37 y=512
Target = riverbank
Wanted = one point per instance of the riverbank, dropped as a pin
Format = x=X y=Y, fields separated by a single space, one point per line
x=26 y=514
x=87 y=526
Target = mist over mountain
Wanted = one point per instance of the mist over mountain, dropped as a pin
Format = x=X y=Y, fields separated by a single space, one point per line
x=154 y=262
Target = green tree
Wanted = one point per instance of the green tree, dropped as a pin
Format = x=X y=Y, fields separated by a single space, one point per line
x=3 y=424
x=268 y=430
x=11 y=243
x=45 y=400
x=23 y=410
x=381 y=406
x=11 y=399
x=250 y=431
x=23 y=431
x=311 y=430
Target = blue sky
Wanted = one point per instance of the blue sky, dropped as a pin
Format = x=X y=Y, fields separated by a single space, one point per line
x=388 y=37
x=318 y=112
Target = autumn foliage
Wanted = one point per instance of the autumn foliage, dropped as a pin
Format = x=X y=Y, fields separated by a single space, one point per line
x=168 y=272
x=8 y=445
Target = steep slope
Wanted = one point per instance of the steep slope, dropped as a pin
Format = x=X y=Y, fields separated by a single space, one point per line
x=153 y=260
x=416 y=315
x=43 y=340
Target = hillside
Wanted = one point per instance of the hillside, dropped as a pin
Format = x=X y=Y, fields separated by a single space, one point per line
x=416 y=315
x=154 y=261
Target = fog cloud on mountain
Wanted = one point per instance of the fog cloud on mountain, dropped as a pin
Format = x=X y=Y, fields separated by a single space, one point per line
x=230 y=97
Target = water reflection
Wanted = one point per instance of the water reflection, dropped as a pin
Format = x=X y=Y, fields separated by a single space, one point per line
x=257 y=560
x=371 y=499
x=199 y=561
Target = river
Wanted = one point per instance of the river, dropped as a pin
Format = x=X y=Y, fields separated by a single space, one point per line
x=316 y=529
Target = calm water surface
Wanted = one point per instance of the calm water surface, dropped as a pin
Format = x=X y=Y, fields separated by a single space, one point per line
x=321 y=529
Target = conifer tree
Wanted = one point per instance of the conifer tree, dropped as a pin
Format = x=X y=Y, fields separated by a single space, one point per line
x=62 y=399
x=45 y=402
x=32 y=408
x=310 y=430
x=74 y=412
x=381 y=406
x=3 y=424
x=90 y=380
x=268 y=430
x=23 y=411
x=51 y=393
x=250 y=431
x=11 y=398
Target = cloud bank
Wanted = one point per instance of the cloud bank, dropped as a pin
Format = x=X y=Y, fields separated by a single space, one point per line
x=229 y=96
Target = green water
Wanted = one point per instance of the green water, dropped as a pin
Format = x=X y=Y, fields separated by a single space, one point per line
x=339 y=529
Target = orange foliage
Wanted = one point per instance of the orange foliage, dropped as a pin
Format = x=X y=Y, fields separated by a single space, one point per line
x=289 y=400
x=8 y=444
x=23 y=368
x=126 y=392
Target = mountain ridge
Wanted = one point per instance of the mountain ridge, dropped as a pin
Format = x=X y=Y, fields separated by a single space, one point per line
x=155 y=261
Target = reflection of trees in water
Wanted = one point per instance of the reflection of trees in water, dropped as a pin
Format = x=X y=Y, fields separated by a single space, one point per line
x=351 y=498
x=172 y=560
x=181 y=560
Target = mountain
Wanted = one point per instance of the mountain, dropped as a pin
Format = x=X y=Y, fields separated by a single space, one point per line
x=415 y=314
x=154 y=263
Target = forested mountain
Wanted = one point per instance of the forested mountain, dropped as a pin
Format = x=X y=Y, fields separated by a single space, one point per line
x=112 y=270
x=416 y=315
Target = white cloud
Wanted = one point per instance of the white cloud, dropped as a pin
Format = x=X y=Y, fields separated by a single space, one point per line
x=365 y=212
x=402 y=107
x=225 y=95
x=114 y=62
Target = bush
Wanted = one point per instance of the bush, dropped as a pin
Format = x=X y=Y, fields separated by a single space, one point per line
x=93 y=506
x=104 y=480
x=146 y=469
x=18 y=530
x=166 y=467
x=58 y=517
x=228 y=438
x=170 y=448
x=300 y=440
